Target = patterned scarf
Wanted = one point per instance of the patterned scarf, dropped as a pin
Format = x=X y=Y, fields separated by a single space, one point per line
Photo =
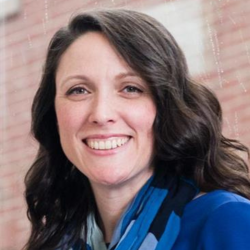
x=151 y=222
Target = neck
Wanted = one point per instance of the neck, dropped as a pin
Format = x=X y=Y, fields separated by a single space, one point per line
x=113 y=200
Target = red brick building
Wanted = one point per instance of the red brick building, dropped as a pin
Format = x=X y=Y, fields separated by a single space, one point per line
x=215 y=36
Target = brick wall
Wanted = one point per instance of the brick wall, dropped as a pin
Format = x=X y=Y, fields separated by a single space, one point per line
x=229 y=53
x=24 y=39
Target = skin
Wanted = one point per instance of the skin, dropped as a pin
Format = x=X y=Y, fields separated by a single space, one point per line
x=98 y=96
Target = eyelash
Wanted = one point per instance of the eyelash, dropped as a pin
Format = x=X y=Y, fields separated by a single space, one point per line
x=81 y=90
x=133 y=88
x=76 y=91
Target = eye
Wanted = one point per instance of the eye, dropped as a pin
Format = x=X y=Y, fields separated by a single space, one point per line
x=132 y=89
x=77 y=91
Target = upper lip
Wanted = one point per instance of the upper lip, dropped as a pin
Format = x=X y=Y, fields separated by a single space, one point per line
x=104 y=136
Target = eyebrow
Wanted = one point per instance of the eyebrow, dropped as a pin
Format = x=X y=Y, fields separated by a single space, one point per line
x=125 y=74
x=117 y=77
x=81 y=77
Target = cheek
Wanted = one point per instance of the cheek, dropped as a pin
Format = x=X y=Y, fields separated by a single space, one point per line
x=68 y=119
x=142 y=117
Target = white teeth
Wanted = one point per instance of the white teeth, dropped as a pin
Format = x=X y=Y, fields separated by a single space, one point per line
x=114 y=144
x=101 y=145
x=106 y=144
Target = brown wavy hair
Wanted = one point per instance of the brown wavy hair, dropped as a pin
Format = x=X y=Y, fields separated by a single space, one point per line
x=187 y=129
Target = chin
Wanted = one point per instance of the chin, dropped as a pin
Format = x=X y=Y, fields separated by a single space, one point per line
x=111 y=179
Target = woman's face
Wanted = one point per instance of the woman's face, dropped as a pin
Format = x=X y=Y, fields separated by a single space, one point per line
x=105 y=113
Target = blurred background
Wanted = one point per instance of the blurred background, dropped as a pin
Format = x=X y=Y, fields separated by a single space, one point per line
x=214 y=35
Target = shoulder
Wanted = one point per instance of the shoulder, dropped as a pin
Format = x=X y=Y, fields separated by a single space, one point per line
x=217 y=220
x=225 y=207
x=226 y=221
x=219 y=197
x=215 y=201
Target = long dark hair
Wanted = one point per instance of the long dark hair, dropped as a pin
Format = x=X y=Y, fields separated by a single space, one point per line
x=187 y=129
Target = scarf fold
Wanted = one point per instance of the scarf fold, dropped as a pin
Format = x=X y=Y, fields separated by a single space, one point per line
x=151 y=222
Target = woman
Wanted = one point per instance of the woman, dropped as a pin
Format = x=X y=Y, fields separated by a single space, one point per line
x=131 y=152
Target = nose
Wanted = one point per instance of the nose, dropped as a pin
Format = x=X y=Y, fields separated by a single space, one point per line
x=102 y=110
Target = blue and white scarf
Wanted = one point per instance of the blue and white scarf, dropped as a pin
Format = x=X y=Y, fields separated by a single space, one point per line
x=151 y=222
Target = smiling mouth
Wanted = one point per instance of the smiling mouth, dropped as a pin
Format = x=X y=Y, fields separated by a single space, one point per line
x=101 y=144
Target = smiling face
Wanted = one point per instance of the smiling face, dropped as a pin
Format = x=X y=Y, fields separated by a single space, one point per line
x=105 y=113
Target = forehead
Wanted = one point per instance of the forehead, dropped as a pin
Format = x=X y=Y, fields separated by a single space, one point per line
x=92 y=53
